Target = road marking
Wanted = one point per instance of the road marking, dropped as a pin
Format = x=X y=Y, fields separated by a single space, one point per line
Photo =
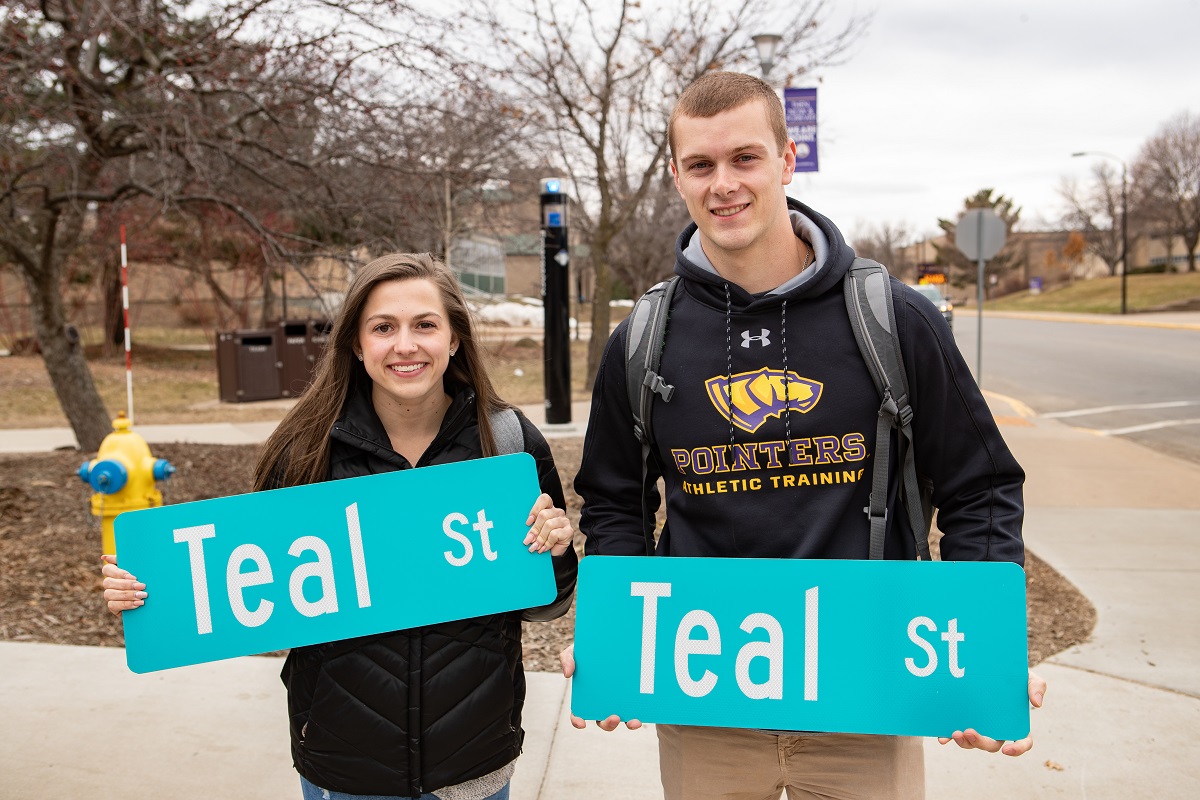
x=1151 y=426
x=1087 y=319
x=1017 y=406
x=1083 y=412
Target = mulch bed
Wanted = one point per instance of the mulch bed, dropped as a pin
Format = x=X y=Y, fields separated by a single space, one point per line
x=50 y=553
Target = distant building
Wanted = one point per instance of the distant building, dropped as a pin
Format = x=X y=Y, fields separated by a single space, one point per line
x=479 y=262
x=502 y=224
x=1168 y=253
x=1037 y=257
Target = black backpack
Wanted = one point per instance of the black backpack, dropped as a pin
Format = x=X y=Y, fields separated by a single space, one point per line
x=869 y=306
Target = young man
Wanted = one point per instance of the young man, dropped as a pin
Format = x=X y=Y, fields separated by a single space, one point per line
x=761 y=293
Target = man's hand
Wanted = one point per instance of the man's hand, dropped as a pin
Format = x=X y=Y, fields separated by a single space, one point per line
x=567 y=659
x=549 y=528
x=970 y=739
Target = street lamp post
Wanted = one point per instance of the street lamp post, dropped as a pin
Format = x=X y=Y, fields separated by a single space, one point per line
x=766 y=43
x=1124 y=216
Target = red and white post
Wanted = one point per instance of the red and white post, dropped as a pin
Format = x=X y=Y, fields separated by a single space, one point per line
x=125 y=309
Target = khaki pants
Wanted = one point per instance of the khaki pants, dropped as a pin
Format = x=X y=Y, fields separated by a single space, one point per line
x=737 y=764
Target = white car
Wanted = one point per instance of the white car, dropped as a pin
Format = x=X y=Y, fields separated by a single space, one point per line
x=932 y=293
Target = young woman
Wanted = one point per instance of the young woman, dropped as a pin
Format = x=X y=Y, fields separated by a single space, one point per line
x=429 y=712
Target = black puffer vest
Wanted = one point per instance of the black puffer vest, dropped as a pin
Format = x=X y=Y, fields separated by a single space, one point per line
x=412 y=711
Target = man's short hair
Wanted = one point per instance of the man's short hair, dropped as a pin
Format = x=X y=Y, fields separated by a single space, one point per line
x=716 y=92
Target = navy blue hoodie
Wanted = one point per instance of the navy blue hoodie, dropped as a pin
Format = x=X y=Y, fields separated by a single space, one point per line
x=783 y=470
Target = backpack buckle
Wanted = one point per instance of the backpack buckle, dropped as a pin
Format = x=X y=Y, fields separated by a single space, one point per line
x=888 y=406
x=639 y=432
x=881 y=515
x=654 y=382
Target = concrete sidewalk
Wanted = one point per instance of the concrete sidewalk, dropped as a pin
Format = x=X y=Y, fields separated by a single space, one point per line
x=41 y=440
x=1120 y=521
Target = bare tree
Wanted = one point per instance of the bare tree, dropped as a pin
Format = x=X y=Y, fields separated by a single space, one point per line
x=236 y=108
x=412 y=167
x=885 y=243
x=1072 y=254
x=603 y=80
x=1167 y=174
x=1095 y=210
x=643 y=252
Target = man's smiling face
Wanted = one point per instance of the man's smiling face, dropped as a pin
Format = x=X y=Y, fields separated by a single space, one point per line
x=731 y=175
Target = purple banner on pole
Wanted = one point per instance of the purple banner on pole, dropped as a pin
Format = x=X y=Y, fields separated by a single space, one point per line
x=800 y=109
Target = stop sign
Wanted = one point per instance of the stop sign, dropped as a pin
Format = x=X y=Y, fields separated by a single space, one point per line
x=980 y=234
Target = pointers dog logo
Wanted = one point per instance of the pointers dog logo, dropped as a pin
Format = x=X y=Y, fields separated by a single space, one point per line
x=756 y=396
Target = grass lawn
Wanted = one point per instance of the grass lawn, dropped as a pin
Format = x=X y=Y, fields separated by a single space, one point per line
x=1103 y=295
x=173 y=385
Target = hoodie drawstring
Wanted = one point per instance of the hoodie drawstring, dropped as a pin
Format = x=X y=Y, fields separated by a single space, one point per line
x=787 y=416
x=787 y=393
x=729 y=366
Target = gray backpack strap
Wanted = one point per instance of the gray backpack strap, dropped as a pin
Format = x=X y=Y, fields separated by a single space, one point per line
x=643 y=355
x=869 y=304
x=506 y=431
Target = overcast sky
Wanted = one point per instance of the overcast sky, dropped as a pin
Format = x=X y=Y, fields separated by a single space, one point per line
x=945 y=97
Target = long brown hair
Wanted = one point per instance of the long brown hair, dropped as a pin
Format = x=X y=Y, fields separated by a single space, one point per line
x=298 y=450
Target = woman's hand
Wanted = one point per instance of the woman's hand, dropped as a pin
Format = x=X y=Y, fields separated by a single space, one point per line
x=549 y=528
x=122 y=591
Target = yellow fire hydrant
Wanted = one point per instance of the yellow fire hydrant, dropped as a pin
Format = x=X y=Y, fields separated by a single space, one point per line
x=123 y=475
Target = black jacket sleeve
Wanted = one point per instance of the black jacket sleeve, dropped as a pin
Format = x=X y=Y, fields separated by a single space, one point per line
x=610 y=472
x=977 y=480
x=566 y=566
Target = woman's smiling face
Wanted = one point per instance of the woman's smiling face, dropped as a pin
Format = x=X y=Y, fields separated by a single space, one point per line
x=405 y=341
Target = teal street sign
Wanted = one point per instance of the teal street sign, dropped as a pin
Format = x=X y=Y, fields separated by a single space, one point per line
x=888 y=647
x=273 y=570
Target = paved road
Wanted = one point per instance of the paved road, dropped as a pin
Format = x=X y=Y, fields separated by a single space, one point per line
x=1138 y=381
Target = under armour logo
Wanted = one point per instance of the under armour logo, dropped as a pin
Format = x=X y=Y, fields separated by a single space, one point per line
x=764 y=340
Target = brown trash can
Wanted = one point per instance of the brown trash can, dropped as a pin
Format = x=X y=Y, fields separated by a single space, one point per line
x=295 y=365
x=248 y=365
x=301 y=343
